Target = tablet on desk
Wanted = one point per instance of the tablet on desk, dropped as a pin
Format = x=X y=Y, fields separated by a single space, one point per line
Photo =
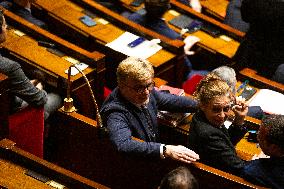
x=88 y=21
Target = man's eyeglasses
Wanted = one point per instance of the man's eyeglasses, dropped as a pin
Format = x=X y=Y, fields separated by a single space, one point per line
x=141 y=88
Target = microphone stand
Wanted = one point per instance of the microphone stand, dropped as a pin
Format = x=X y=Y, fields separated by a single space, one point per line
x=68 y=101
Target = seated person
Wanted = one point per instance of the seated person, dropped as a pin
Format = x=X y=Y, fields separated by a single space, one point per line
x=208 y=135
x=155 y=9
x=131 y=111
x=262 y=49
x=233 y=16
x=110 y=4
x=23 y=90
x=279 y=74
x=22 y=8
x=268 y=171
x=229 y=75
x=179 y=178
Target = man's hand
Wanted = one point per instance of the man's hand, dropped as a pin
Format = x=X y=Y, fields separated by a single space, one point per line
x=189 y=42
x=37 y=84
x=181 y=153
x=260 y=155
x=195 y=5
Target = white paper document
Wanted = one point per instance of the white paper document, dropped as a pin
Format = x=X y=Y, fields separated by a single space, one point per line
x=82 y=66
x=144 y=50
x=270 y=101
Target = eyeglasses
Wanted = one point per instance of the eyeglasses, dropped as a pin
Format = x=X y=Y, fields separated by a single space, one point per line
x=141 y=88
x=225 y=109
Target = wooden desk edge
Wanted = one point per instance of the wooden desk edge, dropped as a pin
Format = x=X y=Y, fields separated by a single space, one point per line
x=11 y=146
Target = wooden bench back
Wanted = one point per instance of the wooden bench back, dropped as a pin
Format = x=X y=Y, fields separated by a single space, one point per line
x=103 y=164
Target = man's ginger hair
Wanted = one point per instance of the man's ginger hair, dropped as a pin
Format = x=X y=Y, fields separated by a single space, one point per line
x=134 y=68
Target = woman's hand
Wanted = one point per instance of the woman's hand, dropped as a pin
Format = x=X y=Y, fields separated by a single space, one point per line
x=240 y=109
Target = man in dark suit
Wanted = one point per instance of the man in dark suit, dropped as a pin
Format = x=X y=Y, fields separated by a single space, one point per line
x=22 y=8
x=131 y=111
x=262 y=48
x=268 y=171
x=24 y=92
x=233 y=16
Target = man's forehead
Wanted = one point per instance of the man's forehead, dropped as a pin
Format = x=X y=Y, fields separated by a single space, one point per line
x=136 y=81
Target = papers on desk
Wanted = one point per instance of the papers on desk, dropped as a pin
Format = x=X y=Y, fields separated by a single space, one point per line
x=82 y=66
x=270 y=101
x=143 y=50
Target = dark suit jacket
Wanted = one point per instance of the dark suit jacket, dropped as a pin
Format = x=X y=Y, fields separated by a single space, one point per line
x=215 y=146
x=233 y=16
x=124 y=120
x=266 y=171
x=20 y=85
x=262 y=49
x=156 y=24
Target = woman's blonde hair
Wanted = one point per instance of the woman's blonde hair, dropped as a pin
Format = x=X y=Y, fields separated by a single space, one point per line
x=211 y=86
x=134 y=68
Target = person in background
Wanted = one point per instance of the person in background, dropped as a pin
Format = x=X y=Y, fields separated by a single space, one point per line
x=22 y=8
x=262 y=47
x=153 y=19
x=265 y=171
x=228 y=74
x=194 y=4
x=179 y=178
x=25 y=92
x=131 y=111
x=233 y=16
x=208 y=135
x=111 y=4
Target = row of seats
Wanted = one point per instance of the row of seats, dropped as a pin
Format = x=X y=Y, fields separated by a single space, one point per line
x=76 y=118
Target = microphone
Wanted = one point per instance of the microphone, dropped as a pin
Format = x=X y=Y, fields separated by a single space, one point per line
x=68 y=101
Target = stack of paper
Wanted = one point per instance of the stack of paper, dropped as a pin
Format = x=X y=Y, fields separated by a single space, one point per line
x=270 y=101
x=143 y=50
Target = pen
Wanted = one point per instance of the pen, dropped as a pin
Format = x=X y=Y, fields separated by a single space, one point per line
x=242 y=86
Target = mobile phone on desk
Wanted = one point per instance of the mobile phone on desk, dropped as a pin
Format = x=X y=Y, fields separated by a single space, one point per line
x=46 y=44
x=211 y=30
x=88 y=21
x=136 y=42
x=194 y=26
x=56 y=52
x=248 y=92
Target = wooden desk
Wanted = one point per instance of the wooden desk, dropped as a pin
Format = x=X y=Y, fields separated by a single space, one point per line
x=14 y=163
x=65 y=14
x=25 y=50
x=94 y=59
x=260 y=81
x=80 y=135
x=216 y=8
x=215 y=45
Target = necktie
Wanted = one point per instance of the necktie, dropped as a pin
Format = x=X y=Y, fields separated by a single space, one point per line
x=151 y=132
